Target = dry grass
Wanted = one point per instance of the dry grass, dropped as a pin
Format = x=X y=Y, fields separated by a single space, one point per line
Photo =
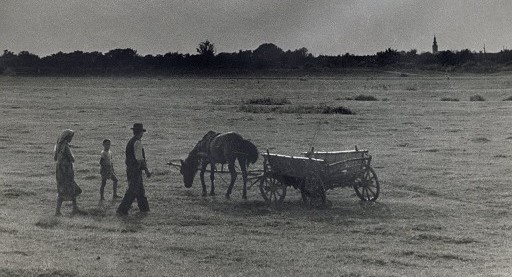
x=365 y=98
x=47 y=222
x=299 y=109
x=444 y=208
x=267 y=101
x=476 y=97
x=450 y=99
x=360 y=97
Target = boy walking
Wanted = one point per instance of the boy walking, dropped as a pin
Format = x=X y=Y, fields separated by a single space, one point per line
x=107 y=170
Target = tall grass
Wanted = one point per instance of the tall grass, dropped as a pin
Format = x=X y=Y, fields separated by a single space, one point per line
x=336 y=110
x=359 y=98
x=411 y=87
x=449 y=99
x=365 y=98
x=476 y=98
x=301 y=109
x=268 y=101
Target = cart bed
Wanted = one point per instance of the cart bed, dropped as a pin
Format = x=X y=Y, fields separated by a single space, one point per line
x=293 y=166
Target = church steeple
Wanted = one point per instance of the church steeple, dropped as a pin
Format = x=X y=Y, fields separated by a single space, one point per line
x=434 y=46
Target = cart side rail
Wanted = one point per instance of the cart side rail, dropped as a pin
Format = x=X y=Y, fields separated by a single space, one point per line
x=352 y=162
x=346 y=170
x=293 y=166
x=331 y=157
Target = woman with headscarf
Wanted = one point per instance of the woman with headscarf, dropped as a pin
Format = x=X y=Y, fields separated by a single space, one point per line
x=67 y=188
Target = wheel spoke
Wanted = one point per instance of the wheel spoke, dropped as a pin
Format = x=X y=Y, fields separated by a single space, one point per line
x=272 y=189
x=368 y=197
x=366 y=185
x=365 y=175
x=373 y=193
x=372 y=185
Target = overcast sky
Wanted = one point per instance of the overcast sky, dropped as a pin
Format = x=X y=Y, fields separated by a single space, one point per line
x=328 y=27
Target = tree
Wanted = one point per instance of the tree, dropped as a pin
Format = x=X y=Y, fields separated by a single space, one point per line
x=388 y=57
x=8 y=59
x=465 y=56
x=269 y=51
x=8 y=54
x=121 y=57
x=27 y=59
x=206 y=49
x=268 y=55
x=447 y=58
x=297 y=57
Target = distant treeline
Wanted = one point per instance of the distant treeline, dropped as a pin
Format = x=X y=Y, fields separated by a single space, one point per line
x=266 y=58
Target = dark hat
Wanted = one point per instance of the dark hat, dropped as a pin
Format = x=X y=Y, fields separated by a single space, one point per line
x=137 y=127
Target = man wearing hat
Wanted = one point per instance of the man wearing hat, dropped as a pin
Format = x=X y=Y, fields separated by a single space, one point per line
x=135 y=164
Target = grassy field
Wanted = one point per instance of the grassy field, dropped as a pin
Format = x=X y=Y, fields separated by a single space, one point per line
x=443 y=161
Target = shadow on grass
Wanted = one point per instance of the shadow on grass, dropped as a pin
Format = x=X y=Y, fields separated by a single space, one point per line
x=296 y=209
x=48 y=222
x=45 y=273
x=16 y=192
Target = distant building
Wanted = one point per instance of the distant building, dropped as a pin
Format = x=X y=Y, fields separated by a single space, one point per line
x=434 y=46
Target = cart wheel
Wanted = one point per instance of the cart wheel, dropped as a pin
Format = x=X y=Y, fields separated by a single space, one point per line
x=367 y=185
x=272 y=190
x=314 y=188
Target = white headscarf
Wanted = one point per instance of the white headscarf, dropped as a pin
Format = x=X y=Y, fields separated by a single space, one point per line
x=64 y=138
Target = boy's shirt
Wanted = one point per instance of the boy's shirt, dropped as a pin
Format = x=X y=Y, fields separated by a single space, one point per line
x=106 y=163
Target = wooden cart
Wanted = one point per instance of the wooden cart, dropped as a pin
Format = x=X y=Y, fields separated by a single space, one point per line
x=316 y=172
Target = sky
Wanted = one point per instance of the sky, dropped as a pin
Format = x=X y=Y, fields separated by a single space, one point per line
x=324 y=27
